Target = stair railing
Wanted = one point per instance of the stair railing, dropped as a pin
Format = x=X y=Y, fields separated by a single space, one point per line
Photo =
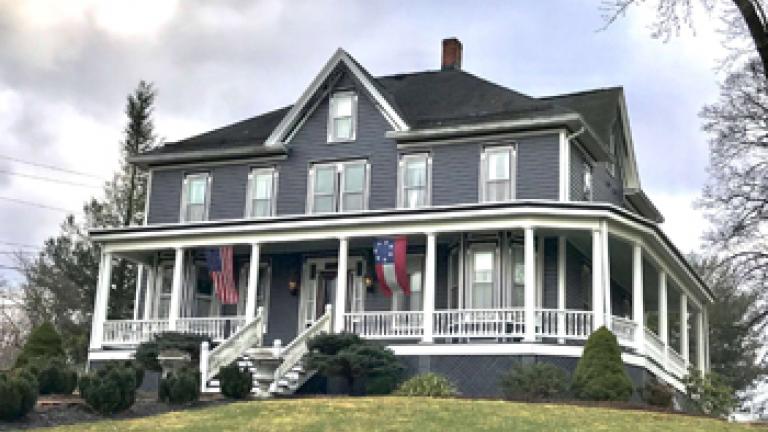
x=248 y=336
x=297 y=349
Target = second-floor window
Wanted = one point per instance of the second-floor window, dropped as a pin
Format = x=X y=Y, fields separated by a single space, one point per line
x=195 y=197
x=497 y=172
x=342 y=117
x=587 y=182
x=414 y=180
x=338 y=187
x=262 y=188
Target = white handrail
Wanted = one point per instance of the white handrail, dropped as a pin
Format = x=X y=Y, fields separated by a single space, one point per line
x=468 y=323
x=624 y=329
x=132 y=332
x=385 y=324
x=248 y=336
x=217 y=328
x=563 y=323
x=295 y=351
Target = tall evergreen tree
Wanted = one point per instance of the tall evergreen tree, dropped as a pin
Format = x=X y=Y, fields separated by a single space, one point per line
x=60 y=282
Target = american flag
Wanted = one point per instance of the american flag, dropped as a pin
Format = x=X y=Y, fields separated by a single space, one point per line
x=220 y=267
x=392 y=264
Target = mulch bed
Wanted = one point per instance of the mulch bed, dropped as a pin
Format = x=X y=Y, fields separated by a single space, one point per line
x=67 y=410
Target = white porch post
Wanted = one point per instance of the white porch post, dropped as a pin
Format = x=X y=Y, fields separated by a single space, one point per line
x=530 y=286
x=684 y=348
x=101 y=302
x=176 y=285
x=598 y=315
x=606 y=275
x=561 y=263
x=341 y=287
x=139 y=286
x=149 y=296
x=705 y=344
x=253 y=283
x=702 y=356
x=663 y=318
x=638 y=312
x=429 y=288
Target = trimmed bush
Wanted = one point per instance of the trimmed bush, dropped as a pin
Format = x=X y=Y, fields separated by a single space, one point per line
x=350 y=357
x=182 y=386
x=43 y=342
x=708 y=394
x=428 y=384
x=111 y=389
x=600 y=373
x=18 y=395
x=534 y=382
x=658 y=394
x=54 y=375
x=236 y=382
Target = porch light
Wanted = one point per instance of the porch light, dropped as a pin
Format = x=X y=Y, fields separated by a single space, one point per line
x=293 y=284
x=368 y=281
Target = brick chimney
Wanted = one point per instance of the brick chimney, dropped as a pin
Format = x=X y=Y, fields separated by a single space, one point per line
x=451 y=54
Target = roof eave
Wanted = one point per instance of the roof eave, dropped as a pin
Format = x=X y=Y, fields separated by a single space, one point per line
x=644 y=205
x=145 y=160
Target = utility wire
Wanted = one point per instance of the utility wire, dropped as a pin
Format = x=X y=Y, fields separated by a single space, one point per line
x=34 y=204
x=49 y=179
x=52 y=167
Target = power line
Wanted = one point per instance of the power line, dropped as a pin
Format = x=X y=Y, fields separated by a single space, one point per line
x=18 y=269
x=52 y=167
x=49 y=179
x=34 y=204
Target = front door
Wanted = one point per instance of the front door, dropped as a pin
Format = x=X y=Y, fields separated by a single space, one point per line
x=318 y=287
x=326 y=286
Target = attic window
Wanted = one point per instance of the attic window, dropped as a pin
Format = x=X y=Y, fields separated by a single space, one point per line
x=342 y=114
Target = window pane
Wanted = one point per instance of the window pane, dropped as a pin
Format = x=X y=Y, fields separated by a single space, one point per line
x=482 y=295
x=324 y=179
x=353 y=201
x=415 y=198
x=342 y=106
x=484 y=267
x=497 y=191
x=261 y=208
x=415 y=173
x=342 y=128
x=354 y=177
x=323 y=204
x=498 y=165
x=203 y=307
x=197 y=186
x=162 y=308
x=262 y=186
x=195 y=212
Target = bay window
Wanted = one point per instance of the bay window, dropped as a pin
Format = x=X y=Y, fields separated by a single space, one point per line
x=195 y=197
x=262 y=190
x=342 y=117
x=497 y=173
x=338 y=187
x=414 y=180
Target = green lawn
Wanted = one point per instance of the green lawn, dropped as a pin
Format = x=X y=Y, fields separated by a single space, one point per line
x=407 y=414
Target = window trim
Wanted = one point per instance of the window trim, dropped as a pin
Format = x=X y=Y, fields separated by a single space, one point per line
x=250 y=190
x=184 y=195
x=402 y=160
x=469 y=297
x=338 y=193
x=483 y=190
x=588 y=183
x=331 y=131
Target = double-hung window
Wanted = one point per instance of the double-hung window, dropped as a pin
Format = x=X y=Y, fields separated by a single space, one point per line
x=338 y=187
x=497 y=172
x=195 y=197
x=414 y=180
x=587 y=182
x=342 y=117
x=262 y=188
x=482 y=278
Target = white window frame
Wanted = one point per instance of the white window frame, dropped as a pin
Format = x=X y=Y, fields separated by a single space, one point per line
x=338 y=193
x=588 y=187
x=469 y=297
x=512 y=184
x=252 y=190
x=335 y=97
x=185 y=195
x=401 y=174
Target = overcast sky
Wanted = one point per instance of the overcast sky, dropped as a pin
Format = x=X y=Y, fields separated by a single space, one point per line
x=66 y=67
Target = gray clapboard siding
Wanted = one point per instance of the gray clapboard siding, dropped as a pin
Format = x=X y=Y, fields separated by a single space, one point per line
x=549 y=289
x=228 y=190
x=165 y=197
x=455 y=173
x=538 y=167
x=577 y=173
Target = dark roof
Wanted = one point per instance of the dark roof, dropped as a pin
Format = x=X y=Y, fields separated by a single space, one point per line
x=427 y=100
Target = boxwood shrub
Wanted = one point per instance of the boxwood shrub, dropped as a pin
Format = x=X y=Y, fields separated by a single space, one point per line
x=534 y=382
x=236 y=382
x=182 y=386
x=18 y=395
x=600 y=373
x=111 y=389
x=53 y=375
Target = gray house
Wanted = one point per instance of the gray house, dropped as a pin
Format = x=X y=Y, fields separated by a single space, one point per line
x=526 y=224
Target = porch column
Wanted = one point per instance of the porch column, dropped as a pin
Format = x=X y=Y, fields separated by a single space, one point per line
x=530 y=286
x=253 y=283
x=684 y=348
x=429 y=288
x=561 y=263
x=700 y=346
x=598 y=316
x=139 y=286
x=341 y=287
x=663 y=318
x=149 y=295
x=606 y=275
x=705 y=344
x=101 y=302
x=176 y=286
x=638 y=309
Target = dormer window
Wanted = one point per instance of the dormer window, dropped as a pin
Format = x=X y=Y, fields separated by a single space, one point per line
x=342 y=114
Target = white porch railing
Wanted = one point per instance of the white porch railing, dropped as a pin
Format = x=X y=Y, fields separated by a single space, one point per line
x=132 y=332
x=217 y=328
x=654 y=347
x=247 y=336
x=567 y=324
x=385 y=325
x=676 y=363
x=624 y=329
x=469 y=323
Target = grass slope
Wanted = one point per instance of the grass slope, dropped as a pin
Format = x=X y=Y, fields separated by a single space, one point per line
x=407 y=414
